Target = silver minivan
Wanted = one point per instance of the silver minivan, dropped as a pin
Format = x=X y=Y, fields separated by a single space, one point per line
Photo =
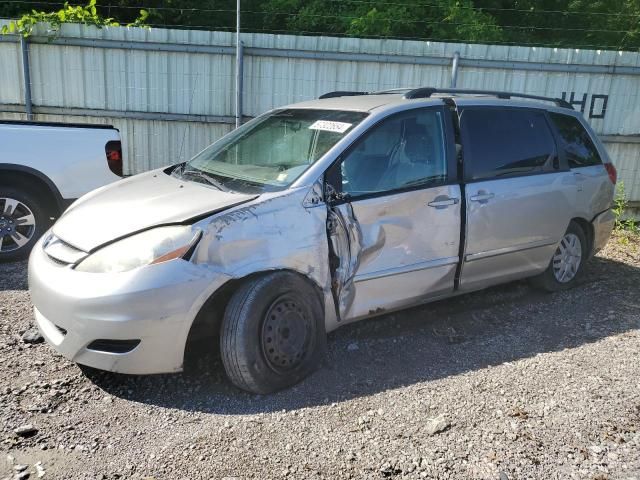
x=319 y=214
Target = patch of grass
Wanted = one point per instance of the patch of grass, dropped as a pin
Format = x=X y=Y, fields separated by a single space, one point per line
x=621 y=202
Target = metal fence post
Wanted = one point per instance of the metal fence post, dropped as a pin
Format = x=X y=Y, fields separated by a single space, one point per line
x=239 y=78
x=26 y=77
x=454 y=69
x=239 y=68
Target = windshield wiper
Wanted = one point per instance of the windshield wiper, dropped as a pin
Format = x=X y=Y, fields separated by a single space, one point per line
x=210 y=180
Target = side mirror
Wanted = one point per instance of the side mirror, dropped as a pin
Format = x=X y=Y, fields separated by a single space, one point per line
x=332 y=196
x=333 y=183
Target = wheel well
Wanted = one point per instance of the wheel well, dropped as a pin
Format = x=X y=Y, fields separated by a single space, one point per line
x=33 y=184
x=587 y=228
x=206 y=325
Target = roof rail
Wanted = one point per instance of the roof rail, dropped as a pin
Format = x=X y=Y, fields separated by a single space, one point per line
x=427 y=92
x=340 y=93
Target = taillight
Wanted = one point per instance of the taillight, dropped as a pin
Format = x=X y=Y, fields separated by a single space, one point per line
x=611 y=170
x=114 y=156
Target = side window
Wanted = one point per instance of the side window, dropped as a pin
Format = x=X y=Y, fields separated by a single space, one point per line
x=404 y=150
x=575 y=141
x=502 y=142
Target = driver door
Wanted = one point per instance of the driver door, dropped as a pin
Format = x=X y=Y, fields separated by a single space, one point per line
x=394 y=215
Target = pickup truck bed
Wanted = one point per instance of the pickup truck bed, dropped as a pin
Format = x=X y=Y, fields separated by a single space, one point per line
x=44 y=167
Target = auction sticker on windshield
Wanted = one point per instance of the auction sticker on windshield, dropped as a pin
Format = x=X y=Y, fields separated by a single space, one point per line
x=328 y=126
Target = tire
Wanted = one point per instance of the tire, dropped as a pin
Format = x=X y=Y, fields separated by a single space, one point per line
x=272 y=334
x=23 y=220
x=572 y=253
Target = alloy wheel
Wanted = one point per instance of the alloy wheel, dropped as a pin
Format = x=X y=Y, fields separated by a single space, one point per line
x=17 y=224
x=567 y=259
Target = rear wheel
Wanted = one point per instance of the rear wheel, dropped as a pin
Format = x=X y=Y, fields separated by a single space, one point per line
x=567 y=262
x=22 y=221
x=273 y=333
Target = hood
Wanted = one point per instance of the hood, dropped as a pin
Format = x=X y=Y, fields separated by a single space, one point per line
x=137 y=203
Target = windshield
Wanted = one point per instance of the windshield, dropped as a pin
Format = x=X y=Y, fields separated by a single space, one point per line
x=270 y=152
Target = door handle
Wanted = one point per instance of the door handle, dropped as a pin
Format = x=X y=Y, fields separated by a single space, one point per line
x=442 y=201
x=482 y=197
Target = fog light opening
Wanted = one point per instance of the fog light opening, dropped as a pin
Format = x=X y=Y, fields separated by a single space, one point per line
x=113 y=346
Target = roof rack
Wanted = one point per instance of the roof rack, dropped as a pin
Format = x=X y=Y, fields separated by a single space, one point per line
x=340 y=93
x=427 y=92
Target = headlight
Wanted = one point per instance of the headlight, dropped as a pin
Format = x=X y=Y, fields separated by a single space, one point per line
x=152 y=246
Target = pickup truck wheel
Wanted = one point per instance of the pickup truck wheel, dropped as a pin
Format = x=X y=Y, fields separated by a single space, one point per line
x=273 y=333
x=567 y=262
x=22 y=222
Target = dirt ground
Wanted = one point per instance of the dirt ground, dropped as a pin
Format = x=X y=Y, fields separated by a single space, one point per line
x=508 y=383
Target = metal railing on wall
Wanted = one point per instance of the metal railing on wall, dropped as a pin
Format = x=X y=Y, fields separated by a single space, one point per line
x=456 y=62
x=239 y=74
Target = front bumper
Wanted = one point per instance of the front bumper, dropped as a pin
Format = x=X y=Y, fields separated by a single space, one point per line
x=155 y=304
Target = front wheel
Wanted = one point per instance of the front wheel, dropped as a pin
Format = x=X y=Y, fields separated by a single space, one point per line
x=273 y=333
x=567 y=263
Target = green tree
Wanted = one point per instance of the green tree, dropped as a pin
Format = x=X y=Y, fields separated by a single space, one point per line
x=86 y=14
x=605 y=24
x=437 y=19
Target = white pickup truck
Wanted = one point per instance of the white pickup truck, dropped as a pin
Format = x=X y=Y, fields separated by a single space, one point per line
x=44 y=167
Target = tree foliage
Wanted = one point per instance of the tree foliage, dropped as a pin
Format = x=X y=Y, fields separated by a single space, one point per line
x=605 y=24
x=85 y=14
x=439 y=19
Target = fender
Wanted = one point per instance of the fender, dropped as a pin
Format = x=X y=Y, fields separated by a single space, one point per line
x=60 y=202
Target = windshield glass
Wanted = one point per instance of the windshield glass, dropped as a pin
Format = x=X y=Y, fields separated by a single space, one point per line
x=270 y=152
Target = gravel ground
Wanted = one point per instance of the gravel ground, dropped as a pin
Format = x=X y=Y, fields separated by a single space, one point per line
x=508 y=383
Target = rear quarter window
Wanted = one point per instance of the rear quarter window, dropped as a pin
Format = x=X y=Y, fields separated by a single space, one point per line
x=575 y=141
x=502 y=142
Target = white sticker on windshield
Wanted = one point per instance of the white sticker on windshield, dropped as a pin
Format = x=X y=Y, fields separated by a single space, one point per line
x=327 y=126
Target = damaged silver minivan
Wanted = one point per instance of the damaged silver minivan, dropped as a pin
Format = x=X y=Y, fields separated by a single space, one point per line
x=316 y=215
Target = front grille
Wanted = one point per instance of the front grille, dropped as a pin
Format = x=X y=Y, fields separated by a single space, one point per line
x=63 y=253
x=57 y=262
x=113 y=346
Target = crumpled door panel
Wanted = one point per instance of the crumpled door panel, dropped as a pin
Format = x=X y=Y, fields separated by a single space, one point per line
x=345 y=239
x=393 y=251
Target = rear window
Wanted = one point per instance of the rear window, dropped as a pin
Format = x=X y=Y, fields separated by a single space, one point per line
x=575 y=141
x=506 y=142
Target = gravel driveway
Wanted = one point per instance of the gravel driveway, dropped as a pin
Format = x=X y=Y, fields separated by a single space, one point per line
x=508 y=383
